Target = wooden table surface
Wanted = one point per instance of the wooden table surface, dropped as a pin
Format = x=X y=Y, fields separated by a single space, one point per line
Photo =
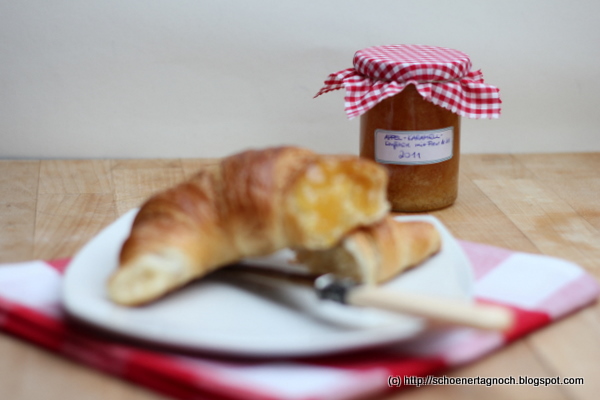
x=537 y=203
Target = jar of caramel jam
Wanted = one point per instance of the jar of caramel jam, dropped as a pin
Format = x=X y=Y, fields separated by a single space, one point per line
x=410 y=99
x=400 y=132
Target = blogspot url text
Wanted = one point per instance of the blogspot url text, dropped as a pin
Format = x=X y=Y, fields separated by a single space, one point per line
x=418 y=381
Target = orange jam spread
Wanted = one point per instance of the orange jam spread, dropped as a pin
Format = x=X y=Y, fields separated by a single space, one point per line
x=335 y=195
x=419 y=144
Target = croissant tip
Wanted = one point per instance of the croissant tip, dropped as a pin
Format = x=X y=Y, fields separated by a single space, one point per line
x=146 y=278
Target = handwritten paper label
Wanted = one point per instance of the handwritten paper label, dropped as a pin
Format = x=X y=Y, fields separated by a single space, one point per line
x=413 y=147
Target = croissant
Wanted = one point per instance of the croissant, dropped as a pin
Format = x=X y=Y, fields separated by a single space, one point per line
x=250 y=204
x=375 y=253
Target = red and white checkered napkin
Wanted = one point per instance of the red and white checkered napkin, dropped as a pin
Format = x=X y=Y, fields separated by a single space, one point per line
x=442 y=76
x=539 y=289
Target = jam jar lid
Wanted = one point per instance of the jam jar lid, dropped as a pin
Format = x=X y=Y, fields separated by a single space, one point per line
x=442 y=76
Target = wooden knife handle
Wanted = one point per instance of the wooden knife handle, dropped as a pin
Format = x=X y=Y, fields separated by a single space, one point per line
x=433 y=308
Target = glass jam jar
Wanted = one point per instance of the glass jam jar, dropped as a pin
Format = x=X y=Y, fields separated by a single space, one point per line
x=410 y=99
x=419 y=143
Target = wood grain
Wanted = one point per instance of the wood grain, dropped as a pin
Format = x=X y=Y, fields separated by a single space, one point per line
x=65 y=222
x=75 y=176
x=539 y=203
x=545 y=219
x=136 y=180
x=18 y=202
x=570 y=348
x=575 y=178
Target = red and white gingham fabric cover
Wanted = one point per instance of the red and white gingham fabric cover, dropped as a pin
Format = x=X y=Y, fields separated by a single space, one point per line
x=539 y=289
x=442 y=76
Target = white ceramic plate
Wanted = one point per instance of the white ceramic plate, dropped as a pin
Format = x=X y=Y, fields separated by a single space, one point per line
x=238 y=314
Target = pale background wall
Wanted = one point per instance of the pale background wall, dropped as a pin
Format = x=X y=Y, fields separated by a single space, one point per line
x=148 y=78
